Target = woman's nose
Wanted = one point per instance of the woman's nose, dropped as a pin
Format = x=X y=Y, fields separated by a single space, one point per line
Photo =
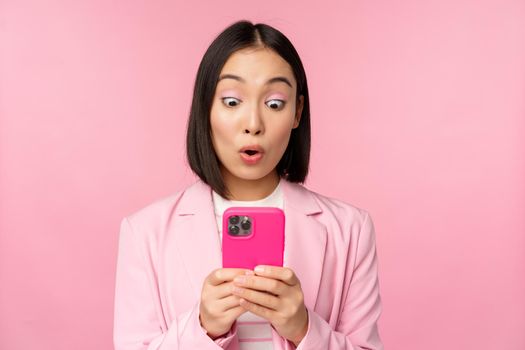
x=254 y=123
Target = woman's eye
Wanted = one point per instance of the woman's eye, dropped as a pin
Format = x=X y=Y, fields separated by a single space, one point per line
x=230 y=101
x=273 y=104
x=278 y=103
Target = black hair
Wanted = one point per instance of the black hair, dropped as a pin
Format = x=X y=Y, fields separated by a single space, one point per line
x=201 y=155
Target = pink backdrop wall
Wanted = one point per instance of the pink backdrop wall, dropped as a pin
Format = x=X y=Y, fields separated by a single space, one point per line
x=418 y=116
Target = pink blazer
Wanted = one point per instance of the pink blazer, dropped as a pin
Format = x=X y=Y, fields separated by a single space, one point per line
x=167 y=249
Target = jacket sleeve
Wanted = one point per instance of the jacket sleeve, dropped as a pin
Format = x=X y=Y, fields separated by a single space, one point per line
x=357 y=325
x=137 y=309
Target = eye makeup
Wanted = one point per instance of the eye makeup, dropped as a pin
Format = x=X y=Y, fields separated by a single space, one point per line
x=229 y=93
x=270 y=96
x=278 y=96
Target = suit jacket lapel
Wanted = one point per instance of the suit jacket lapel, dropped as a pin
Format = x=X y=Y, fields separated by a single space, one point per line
x=199 y=245
x=305 y=239
x=198 y=241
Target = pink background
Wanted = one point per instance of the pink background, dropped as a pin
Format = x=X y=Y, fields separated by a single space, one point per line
x=418 y=116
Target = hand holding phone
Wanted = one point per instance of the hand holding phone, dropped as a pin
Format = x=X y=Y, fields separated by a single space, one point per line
x=218 y=307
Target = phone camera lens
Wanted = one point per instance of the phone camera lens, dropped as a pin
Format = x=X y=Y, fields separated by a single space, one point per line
x=233 y=229
x=246 y=224
x=234 y=219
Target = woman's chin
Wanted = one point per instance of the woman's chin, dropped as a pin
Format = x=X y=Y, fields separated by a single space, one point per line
x=251 y=174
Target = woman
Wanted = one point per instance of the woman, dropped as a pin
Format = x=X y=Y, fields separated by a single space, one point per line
x=248 y=141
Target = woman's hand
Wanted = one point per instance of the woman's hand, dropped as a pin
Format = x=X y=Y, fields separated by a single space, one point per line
x=218 y=307
x=275 y=294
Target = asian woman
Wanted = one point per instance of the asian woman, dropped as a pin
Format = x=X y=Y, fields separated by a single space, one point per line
x=248 y=141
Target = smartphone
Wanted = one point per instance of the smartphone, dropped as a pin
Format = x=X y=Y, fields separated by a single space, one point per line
x=252 y=236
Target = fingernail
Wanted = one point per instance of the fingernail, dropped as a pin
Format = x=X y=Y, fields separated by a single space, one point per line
x=249 y=272
x=259 y=269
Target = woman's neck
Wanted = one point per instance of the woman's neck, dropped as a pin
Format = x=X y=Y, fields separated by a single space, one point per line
x=251 y=190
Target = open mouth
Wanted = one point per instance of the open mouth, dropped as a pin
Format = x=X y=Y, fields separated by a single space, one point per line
x=251 y=156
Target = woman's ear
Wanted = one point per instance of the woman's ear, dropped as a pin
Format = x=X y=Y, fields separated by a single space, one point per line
x=298 y=111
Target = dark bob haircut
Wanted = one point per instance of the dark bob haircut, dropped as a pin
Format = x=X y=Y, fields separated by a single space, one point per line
x=201 y=155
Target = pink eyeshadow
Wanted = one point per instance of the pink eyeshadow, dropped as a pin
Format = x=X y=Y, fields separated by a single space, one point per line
x=233 y=93
x=229 y=93
x=279 y=96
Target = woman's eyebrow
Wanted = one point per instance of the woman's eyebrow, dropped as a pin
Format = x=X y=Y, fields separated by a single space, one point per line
x=270 y=81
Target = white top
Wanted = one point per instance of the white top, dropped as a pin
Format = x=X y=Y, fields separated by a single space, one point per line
x=254 y=332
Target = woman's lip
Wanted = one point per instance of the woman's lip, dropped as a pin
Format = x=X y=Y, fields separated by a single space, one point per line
x=251 y=160
x=252 y=148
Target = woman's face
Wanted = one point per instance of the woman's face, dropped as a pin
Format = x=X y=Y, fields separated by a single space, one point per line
x=251 y=107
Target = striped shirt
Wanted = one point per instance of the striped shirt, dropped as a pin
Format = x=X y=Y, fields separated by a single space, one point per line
x=254 y=332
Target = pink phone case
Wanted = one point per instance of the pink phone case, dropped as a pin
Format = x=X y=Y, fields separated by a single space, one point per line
x=262 y=245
